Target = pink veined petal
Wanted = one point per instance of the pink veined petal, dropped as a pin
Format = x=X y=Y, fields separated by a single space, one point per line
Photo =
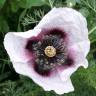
x=47 y=83
x=66 y=73
x=75 y=27
x=79 y=60
x=18 y=56
x=81 y=50
x=15 y=42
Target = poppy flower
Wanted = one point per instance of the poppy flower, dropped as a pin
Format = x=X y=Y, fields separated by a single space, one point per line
x=51 y=52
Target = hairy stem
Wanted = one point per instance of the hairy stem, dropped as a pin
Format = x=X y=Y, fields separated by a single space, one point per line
x=92 y=30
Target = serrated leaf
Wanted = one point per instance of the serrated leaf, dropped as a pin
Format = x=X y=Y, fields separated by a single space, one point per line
x=20 y=18
x=91 y=76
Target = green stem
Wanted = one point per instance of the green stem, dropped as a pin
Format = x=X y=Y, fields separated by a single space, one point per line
x=5 y=60
x=94 y=40
x=87 y=4
x=92 y=30
x=51 y=3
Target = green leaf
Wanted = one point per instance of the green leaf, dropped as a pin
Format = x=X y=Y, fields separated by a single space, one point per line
x=71 y=3
x=2 y=3
x=3 y=25
x=84 y=12
x=30 y=3
x=14 y=6
x=20 y=18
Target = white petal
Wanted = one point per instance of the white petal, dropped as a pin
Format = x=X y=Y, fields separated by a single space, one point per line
x=28 y=33
x=15 y=42
x=83 y=46
x=47 y=83
x=70 y=21
x=62 y=17
x=81 y=49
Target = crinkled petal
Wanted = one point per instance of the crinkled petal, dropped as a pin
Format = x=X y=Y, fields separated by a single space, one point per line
x=79 y=60
x=15 y=42
x=70 y=21
x=66 y=73
x=19 y=58
x=75 y=25
x=47 y=83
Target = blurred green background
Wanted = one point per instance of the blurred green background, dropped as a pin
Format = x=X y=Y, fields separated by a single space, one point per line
x=22 y=15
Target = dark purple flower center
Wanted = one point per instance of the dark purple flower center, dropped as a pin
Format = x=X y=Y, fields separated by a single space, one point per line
x=49 y=52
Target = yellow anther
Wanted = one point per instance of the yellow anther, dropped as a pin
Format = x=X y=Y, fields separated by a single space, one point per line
x=50 y=51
